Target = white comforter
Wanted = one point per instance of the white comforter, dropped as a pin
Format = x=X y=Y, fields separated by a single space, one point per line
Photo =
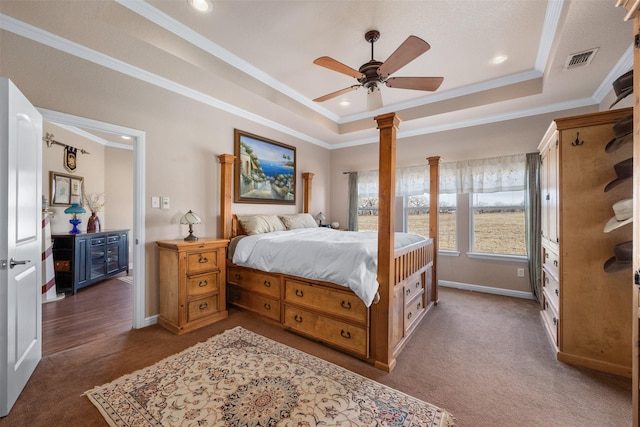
x=341 y=257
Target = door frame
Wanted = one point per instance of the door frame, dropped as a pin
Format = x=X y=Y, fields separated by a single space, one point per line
x=138 y=233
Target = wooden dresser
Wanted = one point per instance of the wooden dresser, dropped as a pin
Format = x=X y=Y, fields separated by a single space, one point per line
x=586 y=310
x=192 y=283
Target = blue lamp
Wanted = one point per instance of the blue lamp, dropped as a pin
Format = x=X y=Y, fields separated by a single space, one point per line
x=75 y=209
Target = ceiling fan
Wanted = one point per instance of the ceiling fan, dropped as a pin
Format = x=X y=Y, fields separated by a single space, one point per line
x=374 y=73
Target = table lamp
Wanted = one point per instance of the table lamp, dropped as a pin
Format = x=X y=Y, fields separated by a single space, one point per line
x=190 y=218
x=75 y=209
x=320 y=217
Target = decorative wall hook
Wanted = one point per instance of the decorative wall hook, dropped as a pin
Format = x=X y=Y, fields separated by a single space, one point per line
x=577 y=142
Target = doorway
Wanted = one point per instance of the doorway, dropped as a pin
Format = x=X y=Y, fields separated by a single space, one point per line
x=137 y=233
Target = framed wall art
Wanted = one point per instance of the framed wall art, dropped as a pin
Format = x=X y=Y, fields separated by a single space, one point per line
x=64 y=189
x=265 y=170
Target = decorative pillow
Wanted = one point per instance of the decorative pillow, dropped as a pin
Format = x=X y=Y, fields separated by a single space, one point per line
x=303 y=220
x=257 y=224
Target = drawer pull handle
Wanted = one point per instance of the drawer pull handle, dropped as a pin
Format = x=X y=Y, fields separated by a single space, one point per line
x=546 y=280
x=299 y=293
x=236 y=297
x=345 y=334
x=546 y=304
x=546 y=255
x=203 y=260
x=204 y=305
x=555 y=322
x=555 y=262
x=346 y=304
x=417 y=285
x=267 y=306
x=297 y=318
x=557 y=292
x=203 y=283
x=419 y=305
x=409 y=315
x=237 y=276
x=267 y=283
x=407 y=292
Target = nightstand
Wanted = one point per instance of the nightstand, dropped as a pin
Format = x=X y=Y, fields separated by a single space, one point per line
x=192 y=283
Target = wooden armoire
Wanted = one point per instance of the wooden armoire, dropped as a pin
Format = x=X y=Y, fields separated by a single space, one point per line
x=586 y=308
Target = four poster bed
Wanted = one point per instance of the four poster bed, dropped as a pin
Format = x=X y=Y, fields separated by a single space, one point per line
x=374 y=329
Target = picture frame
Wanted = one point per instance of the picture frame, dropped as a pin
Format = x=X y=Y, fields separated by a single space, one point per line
x=64 y=189
x=265 y=170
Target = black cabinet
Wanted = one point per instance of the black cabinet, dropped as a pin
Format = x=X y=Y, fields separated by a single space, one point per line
x=83 y=259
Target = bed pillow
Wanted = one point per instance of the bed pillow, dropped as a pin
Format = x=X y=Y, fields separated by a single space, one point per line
x=258 y=224
x=303 y=220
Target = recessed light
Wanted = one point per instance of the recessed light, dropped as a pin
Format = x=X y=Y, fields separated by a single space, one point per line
x=498 y=59
x=204 y=6
x=344 y=103
x=127 y=137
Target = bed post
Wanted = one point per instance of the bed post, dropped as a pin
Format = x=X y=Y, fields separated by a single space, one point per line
x=306 y=197
x=434 y=194
x=382 y=313
x=226 y=178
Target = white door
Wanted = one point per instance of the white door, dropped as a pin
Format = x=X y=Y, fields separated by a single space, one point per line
x=20 y=242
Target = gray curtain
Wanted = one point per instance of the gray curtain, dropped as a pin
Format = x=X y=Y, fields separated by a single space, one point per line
x=352 y=221
x=533 y=223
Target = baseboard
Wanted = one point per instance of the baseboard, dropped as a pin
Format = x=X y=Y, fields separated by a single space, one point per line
x=598 y=365
x=148 y=321
x=486 y=289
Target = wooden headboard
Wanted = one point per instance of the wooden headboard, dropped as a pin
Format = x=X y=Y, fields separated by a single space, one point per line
x=229 y=226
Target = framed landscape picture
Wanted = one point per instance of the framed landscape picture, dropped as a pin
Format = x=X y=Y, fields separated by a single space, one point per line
x=265 y=170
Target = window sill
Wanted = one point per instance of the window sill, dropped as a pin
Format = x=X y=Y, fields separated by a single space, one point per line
x=497 y=257
x=448 y=252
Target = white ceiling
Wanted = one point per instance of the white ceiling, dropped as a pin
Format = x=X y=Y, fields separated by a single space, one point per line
x=255 y=58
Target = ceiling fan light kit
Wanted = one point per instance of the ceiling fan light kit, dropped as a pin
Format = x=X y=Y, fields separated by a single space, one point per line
x=375 y=73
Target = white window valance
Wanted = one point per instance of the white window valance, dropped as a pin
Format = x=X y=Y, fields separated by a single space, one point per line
x=505 y=173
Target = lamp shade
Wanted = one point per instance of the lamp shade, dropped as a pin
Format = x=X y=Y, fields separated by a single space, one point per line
x=190 y=218
x=74 y=209
x=320 y=217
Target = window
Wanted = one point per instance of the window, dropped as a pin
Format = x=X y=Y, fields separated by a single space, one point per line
x=498 y=223
x=447 y=230
x=367 y=214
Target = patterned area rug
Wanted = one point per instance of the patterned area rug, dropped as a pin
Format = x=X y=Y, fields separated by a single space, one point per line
x=239 y=378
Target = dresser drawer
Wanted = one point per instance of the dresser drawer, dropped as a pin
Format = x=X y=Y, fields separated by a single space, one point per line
x=263 y=305
x=200 y=262
x=412 y=310
x=252 y=280
x=551 y=318
x=550 y=261
x=340 y=334
x=552 y=288
x=413 y=286
x=202 y=307
x=343 y=304
x=202 y=284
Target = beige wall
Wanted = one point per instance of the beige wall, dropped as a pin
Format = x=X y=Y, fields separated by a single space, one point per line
x=118 y=189
x=183 y=139
x=90 y=167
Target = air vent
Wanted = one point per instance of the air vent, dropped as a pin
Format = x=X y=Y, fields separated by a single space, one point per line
x=580 y=59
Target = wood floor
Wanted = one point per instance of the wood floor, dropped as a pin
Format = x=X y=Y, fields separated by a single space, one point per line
x=98 y=311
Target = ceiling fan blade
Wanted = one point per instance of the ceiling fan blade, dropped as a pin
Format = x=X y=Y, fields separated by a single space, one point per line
x=332 y=64
x=336 y=93
x=409 y=50
x=415 y=83
x=374 y=100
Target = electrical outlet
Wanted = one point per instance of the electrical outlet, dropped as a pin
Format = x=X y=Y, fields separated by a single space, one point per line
x=155 y=202
x=165 y=202
x=521 y=272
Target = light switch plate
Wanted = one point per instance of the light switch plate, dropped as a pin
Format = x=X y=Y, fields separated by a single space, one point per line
x=165 y=202
x=155 y=202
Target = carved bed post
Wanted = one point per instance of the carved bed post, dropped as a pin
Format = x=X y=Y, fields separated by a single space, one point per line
x=434 y=193
x=226 y=178
x=382 y=315
x=307 y=177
